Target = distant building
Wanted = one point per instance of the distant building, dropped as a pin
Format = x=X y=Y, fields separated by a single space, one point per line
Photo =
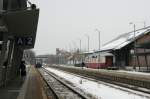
x=99 y=60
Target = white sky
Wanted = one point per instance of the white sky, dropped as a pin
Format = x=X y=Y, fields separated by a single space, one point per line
x=63 y=22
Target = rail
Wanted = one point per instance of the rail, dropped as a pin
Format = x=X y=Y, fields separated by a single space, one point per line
x=60 y=88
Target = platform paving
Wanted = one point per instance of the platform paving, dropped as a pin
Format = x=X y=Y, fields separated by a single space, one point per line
x=29 y=88
x=12 y=89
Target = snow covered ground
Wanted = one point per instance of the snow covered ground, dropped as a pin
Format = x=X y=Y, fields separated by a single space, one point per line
x=99 y=89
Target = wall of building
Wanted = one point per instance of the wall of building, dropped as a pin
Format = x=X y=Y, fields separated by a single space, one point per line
x=143 y=39
x=142 y=58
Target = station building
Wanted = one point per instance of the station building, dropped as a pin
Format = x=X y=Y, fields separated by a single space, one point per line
x=131 y=49
x=127 y=51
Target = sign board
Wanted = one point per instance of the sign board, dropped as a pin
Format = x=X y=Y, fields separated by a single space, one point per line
x=24 y=41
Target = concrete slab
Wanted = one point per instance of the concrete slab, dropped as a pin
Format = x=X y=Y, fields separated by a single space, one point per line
x=29 y=88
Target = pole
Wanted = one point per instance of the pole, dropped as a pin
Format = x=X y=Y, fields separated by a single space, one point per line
x=98 y=48
x=88 y=38
x=80 y=45
x=99 y=39
x=134 y=49
x=88 y=43
x=134 y=56
x=80 y=54
x=88 y=48
x=81 y=59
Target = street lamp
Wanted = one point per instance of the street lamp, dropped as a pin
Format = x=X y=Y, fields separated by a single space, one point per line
x=79 y=49
x=99 y=47
x=88 y=37
x=74 y=46
x=134 y=67
x=79 y=45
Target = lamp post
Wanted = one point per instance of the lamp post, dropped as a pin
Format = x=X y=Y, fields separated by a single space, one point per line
x=134 y=67
x=99 y=47
x=79 y=50
x=88 y=37
x=74 y=46
x=74 y=52
x=88 y=41
x=79 y=45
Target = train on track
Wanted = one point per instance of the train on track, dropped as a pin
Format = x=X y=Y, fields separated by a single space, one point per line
x=38 y=65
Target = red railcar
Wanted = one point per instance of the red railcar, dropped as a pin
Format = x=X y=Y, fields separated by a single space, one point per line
x=94 y=61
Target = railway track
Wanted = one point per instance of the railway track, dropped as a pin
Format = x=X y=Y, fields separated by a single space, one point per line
x=91 y=79
x=130 y=81
x=60 y=88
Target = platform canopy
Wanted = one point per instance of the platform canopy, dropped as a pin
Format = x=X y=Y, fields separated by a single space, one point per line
x=22 y=22
x=22 y=26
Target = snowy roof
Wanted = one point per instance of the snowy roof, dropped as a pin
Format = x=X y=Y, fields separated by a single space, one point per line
x=101 y=54
x=124 y=39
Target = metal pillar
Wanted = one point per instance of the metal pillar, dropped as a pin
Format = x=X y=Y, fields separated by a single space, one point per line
x=3 y=59
x=138 y=62
x=10 y=56
x=146 y=59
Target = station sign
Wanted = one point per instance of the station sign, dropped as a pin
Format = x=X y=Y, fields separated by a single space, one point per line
x=25 y=41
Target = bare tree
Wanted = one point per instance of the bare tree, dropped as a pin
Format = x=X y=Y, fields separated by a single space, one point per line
x=29 y=56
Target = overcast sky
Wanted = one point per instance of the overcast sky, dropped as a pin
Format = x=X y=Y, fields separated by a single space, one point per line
x=63 y=22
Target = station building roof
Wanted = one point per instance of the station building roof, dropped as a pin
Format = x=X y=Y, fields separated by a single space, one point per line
x=101 y=54
x=124 y=39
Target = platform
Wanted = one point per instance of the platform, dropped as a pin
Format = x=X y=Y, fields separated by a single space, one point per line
x=29 y=88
